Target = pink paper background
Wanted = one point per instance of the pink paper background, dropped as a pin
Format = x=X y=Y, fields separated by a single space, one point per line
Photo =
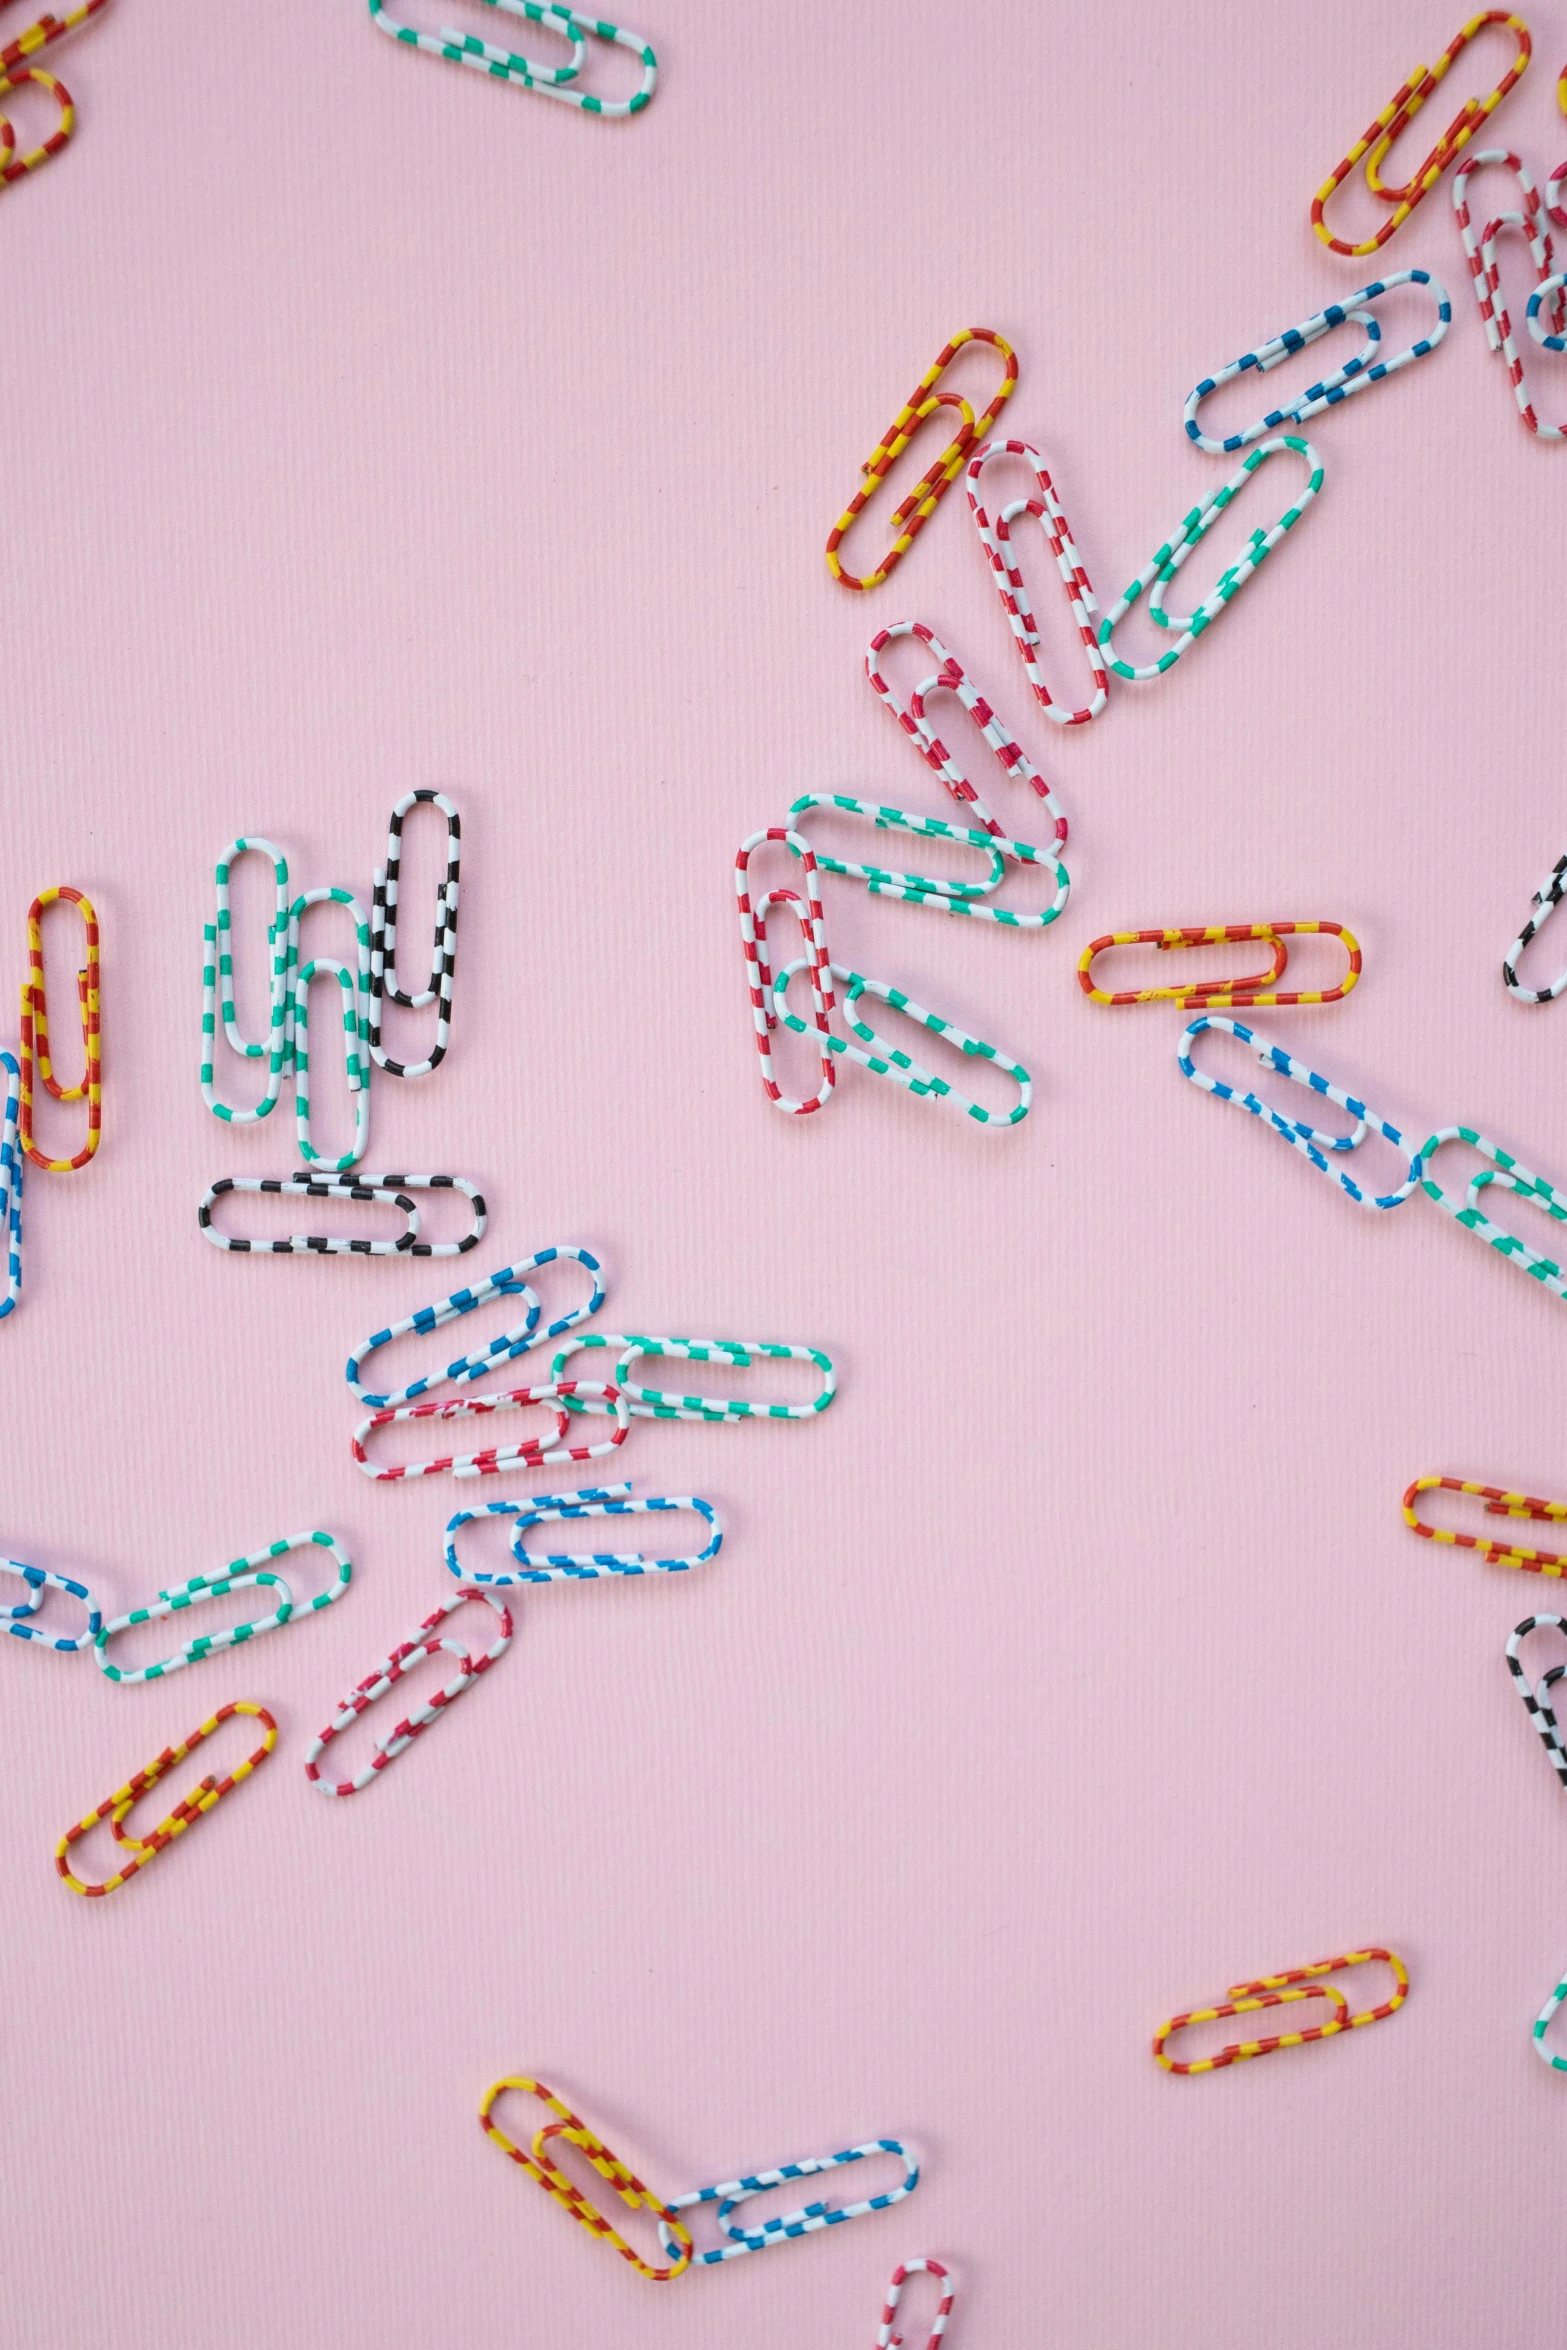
x=374 y=427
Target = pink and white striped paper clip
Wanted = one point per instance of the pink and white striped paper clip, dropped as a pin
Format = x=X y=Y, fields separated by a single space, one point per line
x=1486 y=275
x=818 y=961
x=394 y=1668
x=950 y=677
x=996 y=538
x=886 y=2339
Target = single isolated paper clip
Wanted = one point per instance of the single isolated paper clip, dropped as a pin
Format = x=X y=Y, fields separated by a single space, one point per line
x=1406 y=102
x=728 y=2197
x=427 y=1641
x=1313 y=1142
x=34 y=1056
x=11 y=1165
x=1546 y=898
x=1354 y=376
x=1499 y=1504
x=1267 y=1991
x=911 y=515
x=383 y=939
x=202 y=1798
x=1536 y=1694
x=946 y=2286
x=252 y=1572
x=389 y=1190
x=1228 y=994
x=526 y=73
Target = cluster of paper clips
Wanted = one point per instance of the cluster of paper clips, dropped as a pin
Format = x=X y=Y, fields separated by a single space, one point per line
x=17 y=69
x=363 y=993
x=519 y=72
x=31 y=1068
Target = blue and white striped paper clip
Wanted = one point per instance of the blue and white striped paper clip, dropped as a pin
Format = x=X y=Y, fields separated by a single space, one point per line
x=807 y=2220
x=11 y=1187
x=1516 y=1178
x=1311 y=1141
x=1365 y=368
x=38 y=1581
x=509 y=1281
x=582 y=1566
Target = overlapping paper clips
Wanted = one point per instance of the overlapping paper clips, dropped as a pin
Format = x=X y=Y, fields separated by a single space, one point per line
x=1282 y=1990
x=253 y=1572
x=1536 y=1694
x=202 y=1799
x=427 y=1641
x=526 y=73
x=39 y=1581
x=914 y=511
x=1311 y=1141
x=1499 y=1503
x=1487 y=279
x=1230 y=994
x=17 y=69
x=675 y=2234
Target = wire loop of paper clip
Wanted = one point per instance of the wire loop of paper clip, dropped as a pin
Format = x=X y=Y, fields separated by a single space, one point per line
x=946 y=897
x=38 y=1581
x=808 y=2220
x=1233 y=993
x=242 y=1574
x=358 y=1075
x=546 y=2174
x=1499 y=1504
x=391 y=1190
x=202 y=1798
x=217 y=973
x=581 y=1566
x=507 y=1281
x=532 y=1453
x=1483 y=272
x=741 y=1354
x=16 y=166
x=11 y=1168
x=1377 y=139
x=872 y=1052
x=34 y=1061
x=886 y=2339
x=1536 y=1694
x=1311 y=1141
x=911 y=515
x=1167 y=560
x=383 y=939
x=996 y=539
x=913 y=717
x=1488 y=289
x=1547 y=898
x=385 y=1676
x=1269 y=1991
x=547 y=81
x=753 y=943
x=1472 y=1216
x=1558 y=2064
x=1364 y=369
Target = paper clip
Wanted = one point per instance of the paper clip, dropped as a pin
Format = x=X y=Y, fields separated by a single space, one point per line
x=753 y=943
x=46 y=32
x=515 y=1509
x=1535 y=1695
x=506 y=65
x=1168 y=559
x=807 y=2220
x=1482 y=269
x=1474 y=1219
x=38 y=1582
x=1498 y=1505
x=1311 y=1141
x=392 y=1189
x=508 y=1281
x=1407 y=100
x=886 y=2339
x=571 y=1566
x=218 y=968
x=1558 y=2064
x=357 y=1074
x=395 y=1668
x=946 y=897
x=1365 y=368
x=872 y=1052
x=1498 y=324
x=651 y=1403
x=1232 y=994
x=242 y=1574
x=383 y=939
x=202 y=1798
x=1547 y=898
x=910 y=517
x=533 y=1453
x=34 y=1054
x=996 y=539
x=11 y=1165
x=1278 y=1991
x=546 y=2174
x=14 y=166
x=914 y=719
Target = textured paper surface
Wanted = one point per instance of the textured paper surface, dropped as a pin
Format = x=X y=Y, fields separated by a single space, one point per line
x=373 y=427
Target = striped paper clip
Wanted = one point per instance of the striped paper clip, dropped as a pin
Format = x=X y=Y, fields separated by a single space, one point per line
x=1311 y=1141
x=542 y=2169
x=11 y=1165
x=1406 y=102
x=525 y=73
x=394 y=1668
x=871 y=1051
x=946 y=2287
x=242 y=1574
x=759 y=985
x=1232 y=994
x=913 y=717
x=1499 y=335
x=217 y=986
x=1514 y=1177
x=389 y=1190
x=508 y=1281
x=1365 y=368
x=728 y=2197
x=39 y=1581
x=1498 y=1504
x=358 y=1074
x=34 y=1056
x=946 y=897
x=1268 y=1991
x=1536 y=1694
x=1482 y=267
x=911 y=515
x=202 y=1798
x=740 y=1354
x=16 y=70
x=1558 y=2064
x=536 y=1452
x=572 y=1566
x=1546 y=899
x=1167 y=560
x=997 y=540
x=383 y=987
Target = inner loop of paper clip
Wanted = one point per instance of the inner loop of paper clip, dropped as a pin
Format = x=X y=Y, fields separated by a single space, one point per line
x=193 y=1806
x=732 y=2195
x=253 y=1572
x=1000 y=536
x=1313 y=1142
x=868 y=1050
x=429 y=1640
x=528 y=1453
x=35 y=1064
x=739 y=1354
x=945 y=897
x=548 y=2174
x=1365 y=368
x=1230 y=993
x=36 y=1583
x=946 y=2288
x=916 y=507
x=1499 y=1503
x=1473 y=1218
x=508 y=1281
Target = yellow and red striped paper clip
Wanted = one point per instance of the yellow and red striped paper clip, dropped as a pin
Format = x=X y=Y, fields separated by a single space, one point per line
x=1405 y=103
x=34 y=1054
x=1498 y=1504
x=548 y=2175
x=1296 y=1983
x=202 y=1798
x=16 y=69
x=913 y=512
x=1210 y=994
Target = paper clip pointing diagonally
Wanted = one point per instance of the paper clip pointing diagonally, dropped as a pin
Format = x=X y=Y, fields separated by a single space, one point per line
x=1313 y=1142
x=808 y=2220
x=1268 y=1991
x=242 y=1574
x=1366 y=368
x=1406 y=102
x=14 y=166
x=911 y=515
x=38 y=1581
x=1536 y=1694
x=996 y=539
x=1499 y=1504
x=194 y=1806
x=946 y=897
x=1473 y=1217
x=886 y=2339
x=1232 y=994
x=34 y=1054
x=1546 y=898
x=425 y=1642
x=547 y=2174
x=508 y=1281
x=872 y=1052
x=507 y=65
